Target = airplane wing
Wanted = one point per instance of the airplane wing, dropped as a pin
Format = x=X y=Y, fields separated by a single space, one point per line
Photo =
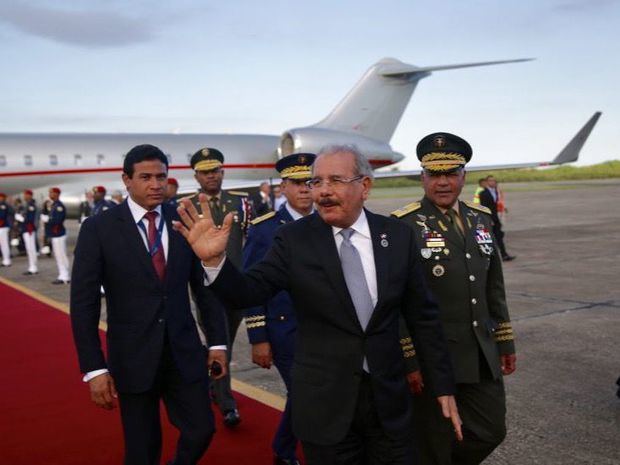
x=568 y=154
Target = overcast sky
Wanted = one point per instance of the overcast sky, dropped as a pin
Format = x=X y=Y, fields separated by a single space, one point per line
x=193 y=66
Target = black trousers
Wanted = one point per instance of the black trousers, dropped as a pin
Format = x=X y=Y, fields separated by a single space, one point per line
x=366 y=443
x=499 y=238
x=188 y=408
x=482 y=407
x=221 y=390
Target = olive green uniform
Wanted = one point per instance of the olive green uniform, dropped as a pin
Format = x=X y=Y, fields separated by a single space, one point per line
x=220 y=206
x=464 y=272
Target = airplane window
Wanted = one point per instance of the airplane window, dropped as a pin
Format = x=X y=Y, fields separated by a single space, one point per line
x=2 y=160
x=53 y=160
x=100 y=159
x=28 y=160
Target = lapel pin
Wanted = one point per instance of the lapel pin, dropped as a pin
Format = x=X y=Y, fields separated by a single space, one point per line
x=384 y=242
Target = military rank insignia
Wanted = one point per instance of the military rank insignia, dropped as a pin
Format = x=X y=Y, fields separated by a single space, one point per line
x=433 y=239
x=484 y=239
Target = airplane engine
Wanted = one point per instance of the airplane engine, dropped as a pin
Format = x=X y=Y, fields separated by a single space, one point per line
x=313 y=139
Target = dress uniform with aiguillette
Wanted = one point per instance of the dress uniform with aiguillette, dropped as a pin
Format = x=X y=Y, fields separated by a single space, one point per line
x=464 y=271
x=6 y=222
x=224 y=202
x=58 y=237
x=27 y=217
x=276 y=322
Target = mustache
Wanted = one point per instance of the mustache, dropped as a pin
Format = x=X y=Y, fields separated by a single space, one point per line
x=328 y=203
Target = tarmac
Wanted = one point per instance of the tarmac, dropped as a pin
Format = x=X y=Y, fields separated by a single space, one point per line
x=563 y=293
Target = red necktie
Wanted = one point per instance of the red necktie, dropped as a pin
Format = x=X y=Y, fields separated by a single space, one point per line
x=158 y=258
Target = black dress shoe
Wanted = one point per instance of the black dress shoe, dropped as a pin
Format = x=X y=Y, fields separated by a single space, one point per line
x=232 y=418
x=60 y=281
x=280 y=461
x=507 y=258
x=5 y=266
x=30 y=273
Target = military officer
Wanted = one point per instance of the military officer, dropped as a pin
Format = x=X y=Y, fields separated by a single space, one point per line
x=100 y=204
x=463 y=267
x=171 y=191
x=27 y=218
x=208 y=166
x=58 y=235
x=6 y=221
x=271 y=328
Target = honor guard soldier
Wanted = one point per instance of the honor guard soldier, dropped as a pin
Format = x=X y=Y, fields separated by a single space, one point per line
x=6 y=221
x=171 y=191
x=271 y=328
x=100 y=204
x=207 y=164
x=58 y=235
x=463 y=268
x=27 y=217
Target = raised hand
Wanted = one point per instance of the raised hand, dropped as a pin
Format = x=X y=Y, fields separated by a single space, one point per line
x=206 y=238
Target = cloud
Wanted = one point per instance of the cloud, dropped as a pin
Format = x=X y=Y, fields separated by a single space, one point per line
x=91 y=29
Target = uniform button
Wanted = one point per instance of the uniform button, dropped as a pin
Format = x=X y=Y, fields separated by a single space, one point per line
x=474 y=301
x=468 y=255
x=436 y=257
x=281 y=317
x=475 y=323
x=161 y=320
x=472 y=277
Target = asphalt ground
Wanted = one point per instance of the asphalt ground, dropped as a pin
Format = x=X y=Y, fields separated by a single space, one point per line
x=563 y=292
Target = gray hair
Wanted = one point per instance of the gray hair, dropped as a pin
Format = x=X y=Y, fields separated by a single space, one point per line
x=362 y=166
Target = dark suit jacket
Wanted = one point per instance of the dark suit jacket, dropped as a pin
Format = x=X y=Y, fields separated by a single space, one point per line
x=330 y=342
x=141 y=310
x=487 y=200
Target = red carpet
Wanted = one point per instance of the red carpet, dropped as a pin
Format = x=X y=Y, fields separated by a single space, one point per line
x=46 y=416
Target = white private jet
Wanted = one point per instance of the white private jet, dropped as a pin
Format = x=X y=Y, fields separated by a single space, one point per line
x=366 y=117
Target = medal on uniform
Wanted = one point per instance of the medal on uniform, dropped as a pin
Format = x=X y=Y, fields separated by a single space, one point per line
x=426 y=253
x=384 y=242
x=438 y=270
x=422 y=217
x=433 y=239
x=446 y=251
x=486 y=249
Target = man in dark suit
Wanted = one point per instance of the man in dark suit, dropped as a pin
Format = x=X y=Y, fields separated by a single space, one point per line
x=488 y=198
x=463 y=268
x=350 y=273
x=154 y=351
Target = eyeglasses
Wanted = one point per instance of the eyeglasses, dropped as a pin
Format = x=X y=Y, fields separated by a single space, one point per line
x=334 y=181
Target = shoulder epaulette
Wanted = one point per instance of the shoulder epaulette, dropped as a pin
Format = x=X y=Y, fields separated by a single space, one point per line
x=243 y=194
x=262 y=218
x=406 y=209
x=478 y=207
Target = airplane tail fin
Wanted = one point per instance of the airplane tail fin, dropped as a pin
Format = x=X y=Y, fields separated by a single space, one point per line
x=570 y=153
x=375 y=105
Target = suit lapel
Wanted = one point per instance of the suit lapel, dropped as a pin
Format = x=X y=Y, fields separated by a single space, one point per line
x=325 y=247
x=380 y=238
x=174 y=243
x=130 y=232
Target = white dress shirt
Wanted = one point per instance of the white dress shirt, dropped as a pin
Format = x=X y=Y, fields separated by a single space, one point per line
x=138 y=212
